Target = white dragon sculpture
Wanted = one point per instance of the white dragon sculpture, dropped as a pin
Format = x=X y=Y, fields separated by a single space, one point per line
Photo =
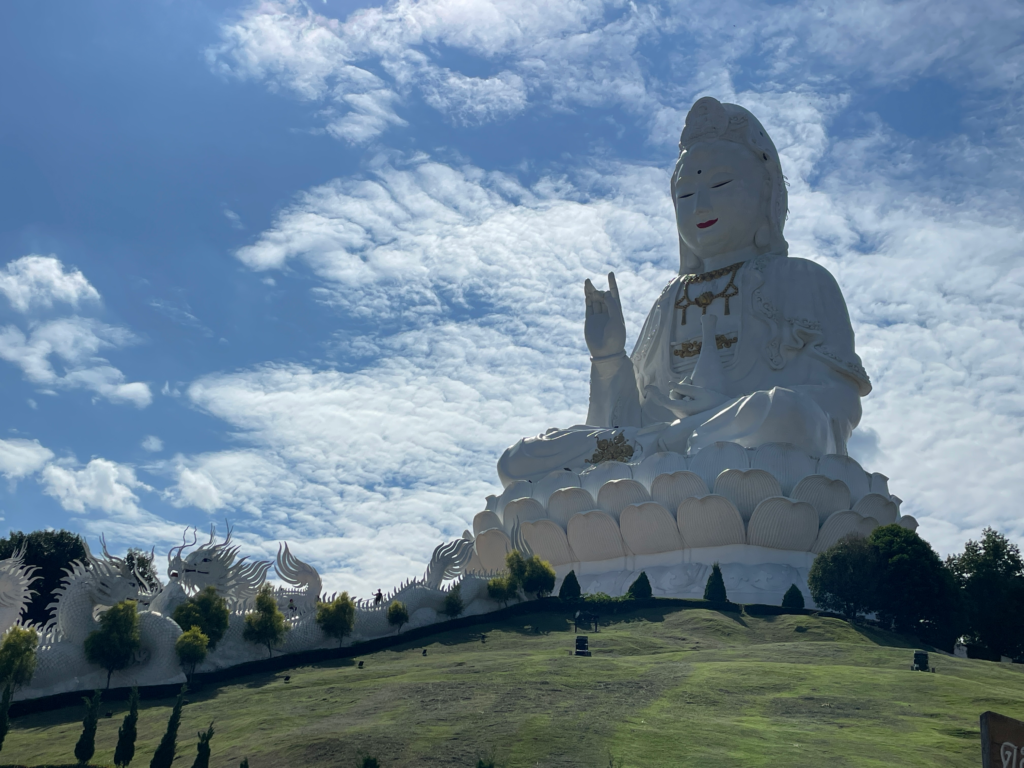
x=16 y=591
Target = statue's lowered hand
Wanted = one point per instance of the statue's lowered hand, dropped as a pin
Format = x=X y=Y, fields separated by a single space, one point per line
x=604 y=328
x=688 y=399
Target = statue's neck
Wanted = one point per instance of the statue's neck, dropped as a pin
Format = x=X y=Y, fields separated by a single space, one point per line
x=720 y=260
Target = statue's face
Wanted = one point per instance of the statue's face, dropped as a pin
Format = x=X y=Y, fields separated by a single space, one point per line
x=719 y=197
x=200 y=570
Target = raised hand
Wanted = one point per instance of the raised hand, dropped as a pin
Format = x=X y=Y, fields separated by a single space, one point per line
x=604 y=328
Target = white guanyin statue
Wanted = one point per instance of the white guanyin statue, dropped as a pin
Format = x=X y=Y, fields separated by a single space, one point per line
x=745 y=345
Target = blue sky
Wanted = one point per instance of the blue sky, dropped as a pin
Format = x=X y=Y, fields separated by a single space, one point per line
x=311 y=267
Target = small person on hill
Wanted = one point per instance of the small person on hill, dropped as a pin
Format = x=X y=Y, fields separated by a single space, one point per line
x=378 y=598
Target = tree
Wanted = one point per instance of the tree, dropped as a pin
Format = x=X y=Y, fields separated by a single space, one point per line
x=539 y=578
x=991 y=574
x=203 y=749
x=398 y=614
x=453 y=602
x=338 y=617
x=114 y=644
x=208 y=611
x=641 y=588
x=516 y=565
x=144 y=565
x=5 y=713
x=266 y=625
x=501 y=589
x=124 y=752
x=191 y=649
x=164 y=755
x=18 y=656
x=842 y=578
x=793 y=598
x=51 y=552
x=570 y=589
x=86 y=746
x=914 y=592
x=714 y=590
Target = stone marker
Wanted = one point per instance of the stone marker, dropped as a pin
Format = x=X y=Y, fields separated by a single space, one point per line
x=1002 y=741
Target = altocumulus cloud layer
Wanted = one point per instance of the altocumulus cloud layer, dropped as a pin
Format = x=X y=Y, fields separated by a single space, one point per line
x=456 y=284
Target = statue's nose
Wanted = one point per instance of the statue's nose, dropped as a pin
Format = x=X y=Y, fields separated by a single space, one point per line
x=701 y=201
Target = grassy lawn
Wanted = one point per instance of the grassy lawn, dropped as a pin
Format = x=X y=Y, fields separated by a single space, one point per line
x=665 y=687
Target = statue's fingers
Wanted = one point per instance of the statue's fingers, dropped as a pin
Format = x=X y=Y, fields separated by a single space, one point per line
x=588 y=293
x=613 y=287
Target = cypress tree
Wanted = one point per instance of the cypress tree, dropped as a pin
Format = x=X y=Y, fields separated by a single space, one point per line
x=86 y=746
x=165 y=751
x=715 y=589
x=570 y=589
x=793 y=598
x=203 y=749
x=641 y=588
x=5 y=719
x=127 y=733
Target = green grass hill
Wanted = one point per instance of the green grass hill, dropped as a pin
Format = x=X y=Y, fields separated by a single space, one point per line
x=664 y=687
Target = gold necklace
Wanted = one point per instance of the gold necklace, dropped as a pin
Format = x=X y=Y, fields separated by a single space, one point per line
x=705 y=299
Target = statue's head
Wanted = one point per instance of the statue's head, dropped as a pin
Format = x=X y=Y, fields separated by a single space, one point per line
x=728 y=187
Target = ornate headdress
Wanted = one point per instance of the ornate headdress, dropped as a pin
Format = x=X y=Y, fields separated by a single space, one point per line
x=711 y=120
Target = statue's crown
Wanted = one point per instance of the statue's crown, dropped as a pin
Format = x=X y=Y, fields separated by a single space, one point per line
x=708 y=120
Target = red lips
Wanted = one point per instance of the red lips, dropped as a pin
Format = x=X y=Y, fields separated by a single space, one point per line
x=706 y=224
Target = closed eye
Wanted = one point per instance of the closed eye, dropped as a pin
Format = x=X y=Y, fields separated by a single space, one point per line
x=688 y=194
x=720 y=184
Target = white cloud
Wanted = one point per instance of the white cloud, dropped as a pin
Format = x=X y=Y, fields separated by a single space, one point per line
x=102 y=484
x=40 y=281
x=20 y=458
x=76 y=342
x=153 y=444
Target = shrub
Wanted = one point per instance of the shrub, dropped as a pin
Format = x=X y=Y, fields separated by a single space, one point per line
x=641 y=588
x=191 y=649
x=368 y=762
x=5 y=714
x=990 y=574
x=114 y=644
x=208 y=611
x=164 y=755
x=398 y=614
x=127 y=733
x=337 y=618
x=501 y=589
x=539 y=578
x=793 y=598
x=570 y=589
x=86 y=746
x=203 y=749
x=516 y=565
x=453 y=602
x=714 y=590
x=244 y=763
x=266 y=625
x=842 y=578
x=18 y=656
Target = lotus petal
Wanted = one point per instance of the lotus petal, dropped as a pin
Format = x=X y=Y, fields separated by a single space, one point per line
x=787 y=463
x=485 y=521
x=782 y=523
x=567 y=502
x=710 y=521
x=520 y=489
x=548 y=542
x=867 y=525
x=839 y=525
x=523 y=511
x=474 y=565
x=824 y=494
x=897 y=501
x=909 y=522
x=879 y=484
x=649 y=529
x=879 y=507
x=670 y=490
x=561 y=478
x=747 y=488
x=664 y=463
x=592 y=479
x=594 y=536
x=849 y=471
x=492 y=546
x=492 y=503
x=712 y=460
x=616 y=495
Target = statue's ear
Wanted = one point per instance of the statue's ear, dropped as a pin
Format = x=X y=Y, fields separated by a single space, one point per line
x=688 y=261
